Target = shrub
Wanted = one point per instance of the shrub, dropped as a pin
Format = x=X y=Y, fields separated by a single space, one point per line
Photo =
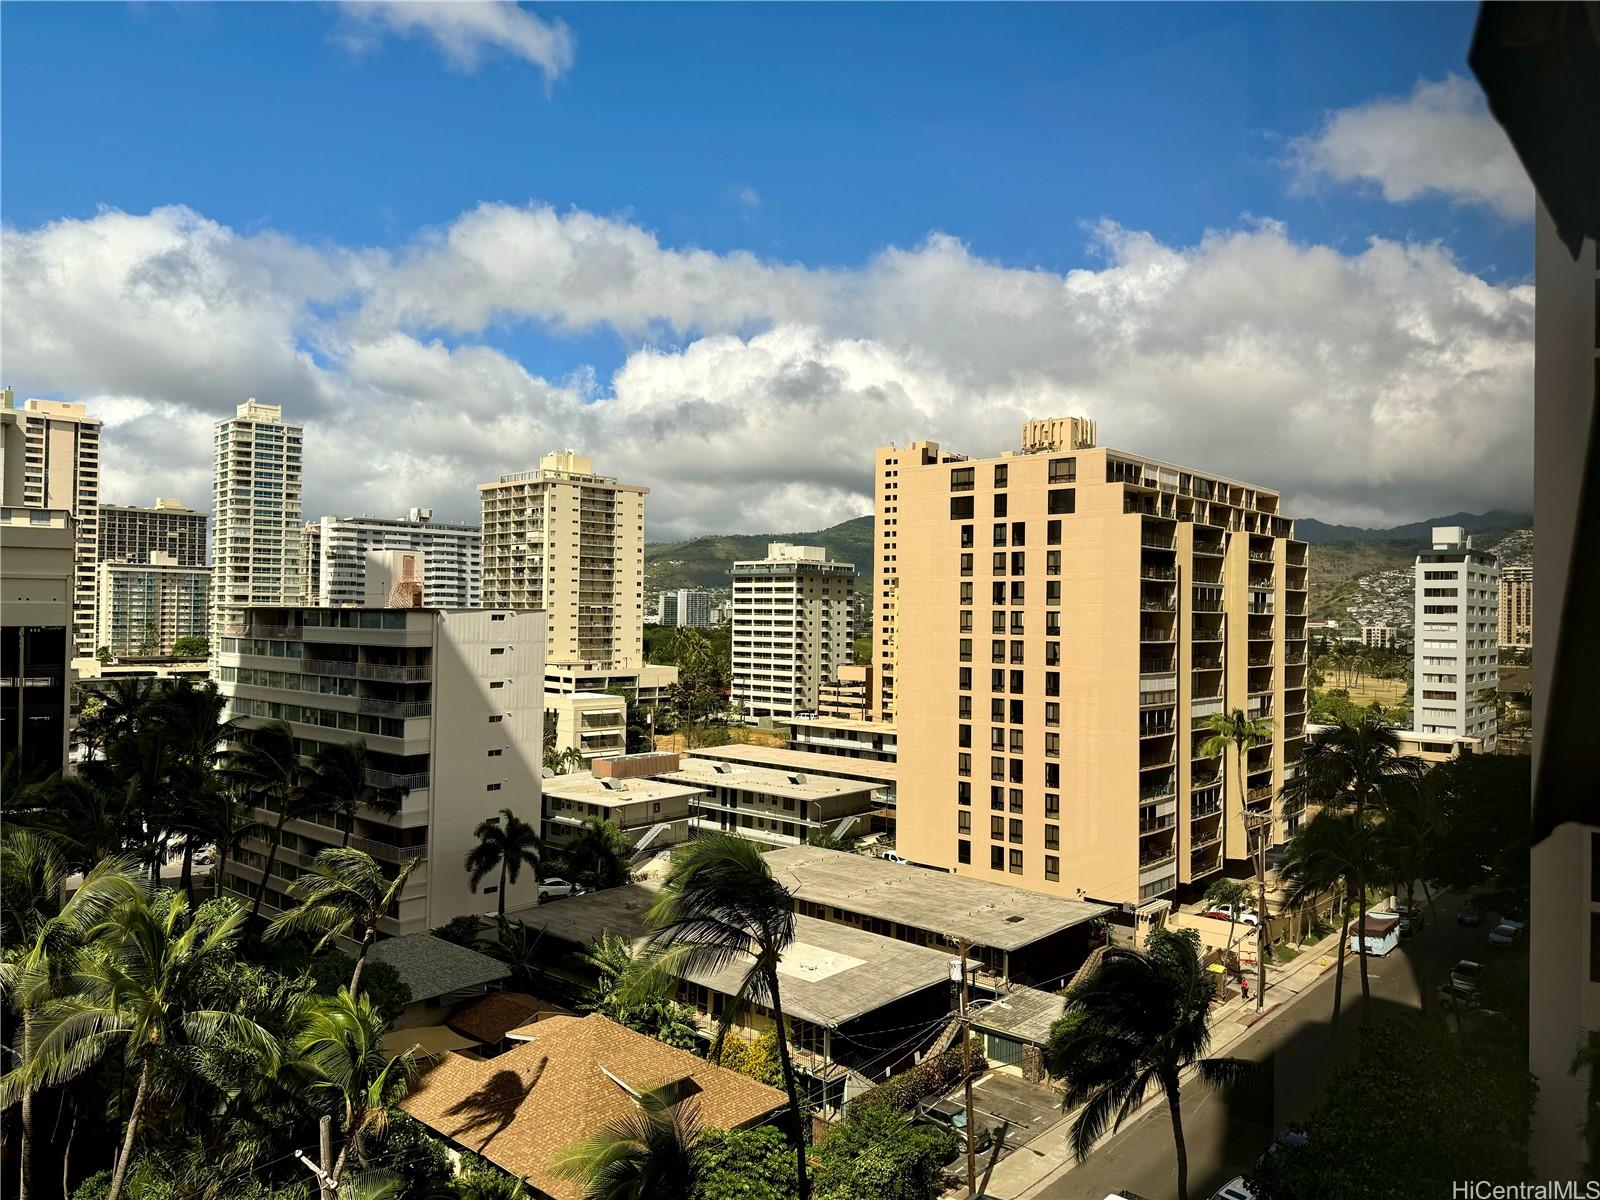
x=744 y=1164
x=882 y=1154
x=461 y=931
x=931 y=1077
x=757 y=1059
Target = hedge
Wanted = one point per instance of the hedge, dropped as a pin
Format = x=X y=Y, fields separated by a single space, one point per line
x=931 y=1077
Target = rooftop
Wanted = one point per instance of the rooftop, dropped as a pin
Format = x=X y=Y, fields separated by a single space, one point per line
x=585 y=788
x=488 y=1020
x=708 y=772
x=1025 y=1014
x=585 y=1070
x=842 y=723
x=831 y=973
x=808 y=761
x=987 y=914
x=432 y=967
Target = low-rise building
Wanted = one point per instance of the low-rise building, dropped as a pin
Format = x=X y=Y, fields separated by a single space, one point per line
x=771 y=806
x=593 y=723
x=647 y=685
x=651 y=813
x=1431 y=748
x=849 y=737
x=438 y=974
x=848 y=694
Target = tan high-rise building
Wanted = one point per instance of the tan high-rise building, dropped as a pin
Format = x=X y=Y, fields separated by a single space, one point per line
x=1051 y=627
x=571 y=543
x=131 y=533
x=1516 y=607
x=256 y=509
x=50 y=458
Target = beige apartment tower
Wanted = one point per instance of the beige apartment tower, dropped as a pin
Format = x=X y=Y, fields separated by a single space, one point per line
x=256 y=510
x=1516 y=608
x=50 y=458
x=571 y=543
x=1051 y=628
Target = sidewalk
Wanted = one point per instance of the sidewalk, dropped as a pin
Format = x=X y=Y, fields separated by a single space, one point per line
x=1035 y=1163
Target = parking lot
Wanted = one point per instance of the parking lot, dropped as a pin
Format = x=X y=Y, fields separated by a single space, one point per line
x=1016 y=1110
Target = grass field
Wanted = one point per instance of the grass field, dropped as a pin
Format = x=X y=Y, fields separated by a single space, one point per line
x=1387 y=692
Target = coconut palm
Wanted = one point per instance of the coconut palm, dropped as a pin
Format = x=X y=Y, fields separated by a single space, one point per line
x=138 y=990
x=516 y=944
x=597 y=855
x=506 y=843
x=147 y=766
x=1328 y=854
x=83 y=814
x=126 y=705
x=43 y=932
x=343 y=893
x=191 y=719
x=1139 y=1019
x=266 y=769
x=339 y=778
x=1356 y=766
x=1232 y=895
x=1240 y=731
x=647 y=1154
x=721 y=907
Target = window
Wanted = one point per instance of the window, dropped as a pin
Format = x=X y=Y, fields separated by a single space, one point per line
x=966 y=564
x=1016 y=831
x=497 y=616
x=493 y=787
x=966 y=535
x=1052 y=624
x=1052 y=837
x=497 y=649
x=964 y=707
x=1063 y=470
x=1000 y=533
x=966 y=620
x=1052 y=683
x=1052 y=562
x=1016 y=770
x=1052 y=592
x=1000 y=504
x=997 y=650
x=1052 y=533
x=966 y=593
x=497 y=683
x=999 y=562
x=997 y=858
x=1052 y=804
x=997 y=739
x=997 y=828
x=997 y=681
x=1017 y=681
x=1052 y=654
x=496 y=718
x=1017 y=592
x=961 y=509
x=964 y=679
x=997 y=798
x=1016 y=623
x=963 y=764
x=1016 y=712
x=1019 y=563
x=964 y=852
x=962 y=479
x=1019 y=533
x=1063 y=500
x=1000 y=475
x=1052 y=712
x=964 y=792
x=966 y=650
x=1016 y=862
x=963 y=822
x=1016 y=741
x=1015 y=799
x=496 y=752
x=1052 y=745
x=997 y=709
x=1052 y=775
x=997 y=768
x=997 y=593
x=964 y=735
x=1016 y=653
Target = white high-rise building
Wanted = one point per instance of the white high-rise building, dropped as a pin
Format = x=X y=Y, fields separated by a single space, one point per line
x=256 y=555
x=792 y=628
x=686 y=608
x=50 y=458
x=1457 y=624
x=452 y=557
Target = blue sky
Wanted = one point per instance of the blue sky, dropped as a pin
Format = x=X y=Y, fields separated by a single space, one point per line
x=815 y=135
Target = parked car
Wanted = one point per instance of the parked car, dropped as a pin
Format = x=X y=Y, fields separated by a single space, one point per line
x=1245 y=916
x=952 y=1114
x=554 y=889
x=1466 y=973
x=1504 y=933
x=1411 y=919
x=891 y=856
x=1289 y=1139
x=1234 y=1189
x=1469 y=915
x=1464 y=999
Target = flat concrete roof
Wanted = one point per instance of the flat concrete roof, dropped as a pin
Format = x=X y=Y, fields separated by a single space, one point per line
x=802 y=785
x=987 y=914
x=1025 y=1014
x=852 y=723
x=582 y=787
x=830 y=974
x=840 y=766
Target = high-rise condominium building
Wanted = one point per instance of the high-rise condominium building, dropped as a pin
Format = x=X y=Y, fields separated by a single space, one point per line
x=1055 y=625
x=144 y=608
x=448 y=705
x=569 y=542
x=686 y=608
x=37 y=553
x=1456 y=665
x=452 y=557
x=792 y=628
x=1516 y=608
x=311 y=557
x=129 y=533
x=256 y=507
x=50 y=453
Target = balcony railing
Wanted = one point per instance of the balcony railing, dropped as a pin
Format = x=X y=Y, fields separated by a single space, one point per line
x=1152 y=541
x=394 y=708
x=1147 y=861
x=1154 y=633
x=1157 y=824
x=1207 y=662
x=1157 y=699
x=1158 y=729
x=388 y=779
x=1161 y=791
x=1150 y=604
x=1199 y=810
x=1155 y=762
x=1214 y=549
x=361 y=670
x=1152 y=571
x=388 y=852
x=1257 y=794
x=1261 y=556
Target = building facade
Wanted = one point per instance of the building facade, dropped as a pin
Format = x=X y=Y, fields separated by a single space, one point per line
x=452 y=557
x=848 y=694
x=50 y=453
x=129 y=533
x=1056 y=625
x=566 y=541
x=447 y=703
x=256 y=557
x=595 y=724
x=38 y=575
x=1380 y=636
x=1516 y=608
x=686 y=608
x=1456 y=667
x=144 y=608
x=792 y=628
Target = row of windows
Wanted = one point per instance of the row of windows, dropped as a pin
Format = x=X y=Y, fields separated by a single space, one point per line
x=1058 y=502
x=305 y=715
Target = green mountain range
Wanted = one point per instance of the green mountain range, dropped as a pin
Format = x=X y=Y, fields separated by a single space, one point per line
x=704 y=562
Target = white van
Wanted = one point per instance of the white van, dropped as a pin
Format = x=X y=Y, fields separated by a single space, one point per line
x=891 y=856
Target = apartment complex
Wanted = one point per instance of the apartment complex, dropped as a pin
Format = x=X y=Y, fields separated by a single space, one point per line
x=447 y=703
x=50 y=458
x=1456 y=660
x=452 y=557
x=38 y=549
x=595 y=724
x=792 y=628
x=773 y=806
x=686 y=608
x=256 y=508
x=1380 y=636
x=848 y=694
x=1516 y=608
x=1053 y=626
x=145 y=607
x=129 y=533
x=571 y=543
x=311 y=560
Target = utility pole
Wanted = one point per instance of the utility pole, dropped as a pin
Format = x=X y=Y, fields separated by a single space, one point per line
x=325 y=1181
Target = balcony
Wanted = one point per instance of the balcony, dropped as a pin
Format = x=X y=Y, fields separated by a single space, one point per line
x=1156 y=858
x=1256 y=795
x=385 y=852
x=1156 y=572
x=394 y=708
x=1206 y=662
x=1202 y=807
x=1155 y=762
x=1158 y=699
x=1154 y=541
x=1156 y=633
x=1156 y=666
x=363 y=670
x=1155 y=604
x=388 y=779
x=1159 y=791
x=1157 y=729
x=1201 y=841
x=1261 y=556
x=1157 y=824
x=1212 y=549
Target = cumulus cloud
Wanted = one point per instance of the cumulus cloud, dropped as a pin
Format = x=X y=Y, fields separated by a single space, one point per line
x=1439 y=140
x=464 y=29
x=1389 y=383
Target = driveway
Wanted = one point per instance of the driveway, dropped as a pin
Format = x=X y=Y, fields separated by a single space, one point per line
x=1018 y=1110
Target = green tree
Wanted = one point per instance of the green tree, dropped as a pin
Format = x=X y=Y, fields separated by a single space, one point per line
x=1329 y=853
x=647 y=1153
x=1142 y=1020
x=191 y=647
x=515 y=943
x=882 y=1154
x=506 y=843
x=1586 y=1065
x=266 y=768
x=743 y=1164
x=721 y=907
x=1232 y=895
x=1483 y=803
x=191 y=718
x=597 y=855
x=340 y=782
x=1243 y=732
x=344 y=893
x=757 y=1058
x=630 y=992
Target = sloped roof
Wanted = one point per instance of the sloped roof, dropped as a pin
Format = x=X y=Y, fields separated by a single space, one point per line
x=497 y=1014
x=433 y=967
x=525 y=1108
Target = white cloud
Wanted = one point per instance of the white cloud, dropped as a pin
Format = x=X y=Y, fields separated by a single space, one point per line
x=464 y=29
x=1388 y=383
x=1439 y=140
x=749 y=197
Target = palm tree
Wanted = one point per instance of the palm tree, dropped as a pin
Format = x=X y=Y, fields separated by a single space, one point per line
x=1139 y=1019
x=139 y=990
x=1232 y=895
x=507 y=843
x=1240 y=731
x=343 y=893
x=597 y=855
x=339 y=1041
x=126 y=706
x=1356 y=766
x=219 y=818
x=83 y=813
x=266 y=768
x=516 y=944
x=721 y=907
x=647 y=1154
x=1328 y=854
x=191 y=718
x=43 y=931
x=147 y=765
x=339 y=779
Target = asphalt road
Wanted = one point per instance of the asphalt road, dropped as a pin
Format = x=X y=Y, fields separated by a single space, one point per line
x=1226 y=1133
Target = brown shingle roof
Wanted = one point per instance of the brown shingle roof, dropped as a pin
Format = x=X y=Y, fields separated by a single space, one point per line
x=497 y=1014
x=523 y=1109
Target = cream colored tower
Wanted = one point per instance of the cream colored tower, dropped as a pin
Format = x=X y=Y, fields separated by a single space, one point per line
x=256 y=514
x=569 y=542
x=791 y=628
x=1056 y=623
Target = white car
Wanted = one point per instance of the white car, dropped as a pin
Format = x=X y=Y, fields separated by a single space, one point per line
x=1245 y=916
x=554 y=889
x=1235 y=1189
x=1504 y=933
x=891 y=856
